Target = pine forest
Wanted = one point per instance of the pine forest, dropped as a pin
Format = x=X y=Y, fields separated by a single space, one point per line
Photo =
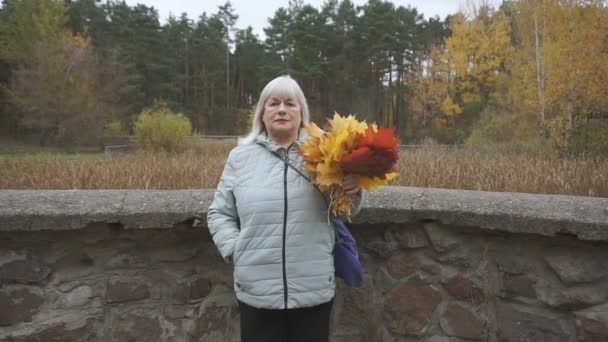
x=528 y=74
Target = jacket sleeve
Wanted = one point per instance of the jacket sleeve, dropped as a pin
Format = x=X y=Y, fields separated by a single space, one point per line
x=222 y=216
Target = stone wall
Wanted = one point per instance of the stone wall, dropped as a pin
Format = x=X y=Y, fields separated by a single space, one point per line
x=440 y=265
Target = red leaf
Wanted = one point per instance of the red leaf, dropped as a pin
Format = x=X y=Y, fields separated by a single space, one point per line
x=373 y=154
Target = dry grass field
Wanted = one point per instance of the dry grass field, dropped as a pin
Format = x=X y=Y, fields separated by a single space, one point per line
x=201 y=167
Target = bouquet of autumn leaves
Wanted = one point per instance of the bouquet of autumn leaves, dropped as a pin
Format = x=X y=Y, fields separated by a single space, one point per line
x=348 y=146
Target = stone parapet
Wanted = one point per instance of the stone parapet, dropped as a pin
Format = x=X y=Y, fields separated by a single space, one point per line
x=585 y=218
x=439 y=265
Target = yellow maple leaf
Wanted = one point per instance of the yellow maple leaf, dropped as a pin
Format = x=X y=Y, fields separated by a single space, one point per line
x=328 y=173
x=313 y=130
x=372 y=183
x=349 y=124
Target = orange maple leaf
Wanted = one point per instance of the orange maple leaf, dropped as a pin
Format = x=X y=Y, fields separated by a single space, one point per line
x=373 y=154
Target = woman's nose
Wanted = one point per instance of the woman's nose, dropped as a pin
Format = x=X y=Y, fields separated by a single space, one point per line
x=282 y=108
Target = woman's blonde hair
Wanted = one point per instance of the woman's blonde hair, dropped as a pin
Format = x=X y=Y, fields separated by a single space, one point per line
x=283 y=85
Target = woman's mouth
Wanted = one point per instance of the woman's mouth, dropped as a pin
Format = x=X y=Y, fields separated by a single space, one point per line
x=280 y=121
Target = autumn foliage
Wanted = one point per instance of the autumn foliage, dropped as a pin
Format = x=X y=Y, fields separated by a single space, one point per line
x=530 y=74
x=349 y=147
x=373 y=154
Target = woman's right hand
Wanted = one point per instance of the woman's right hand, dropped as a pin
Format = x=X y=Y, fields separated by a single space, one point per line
x=350 y=185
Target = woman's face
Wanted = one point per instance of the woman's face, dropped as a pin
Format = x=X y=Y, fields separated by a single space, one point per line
x=282 y=115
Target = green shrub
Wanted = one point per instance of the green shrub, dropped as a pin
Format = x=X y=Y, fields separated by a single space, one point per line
x=158 y=128
x=506 y=132
x=243 y=120
x=113 y=129
x=114 y=132
x=591 y=137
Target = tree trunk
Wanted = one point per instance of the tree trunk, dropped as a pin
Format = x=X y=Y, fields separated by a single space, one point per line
x=539 y=77
x=227 y=72
x=390 y=110
x=187 y=78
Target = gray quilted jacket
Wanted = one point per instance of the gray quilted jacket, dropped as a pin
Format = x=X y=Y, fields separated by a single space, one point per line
x=273 y=224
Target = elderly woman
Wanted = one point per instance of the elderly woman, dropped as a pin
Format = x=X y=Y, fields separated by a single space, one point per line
x=272 y=224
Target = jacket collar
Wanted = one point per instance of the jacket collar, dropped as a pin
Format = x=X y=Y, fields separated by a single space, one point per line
x=264 y=140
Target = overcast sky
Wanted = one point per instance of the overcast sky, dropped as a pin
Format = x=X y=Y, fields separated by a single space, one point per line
x=255 y=13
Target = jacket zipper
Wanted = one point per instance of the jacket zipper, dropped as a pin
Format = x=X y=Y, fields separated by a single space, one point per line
x=285 y=229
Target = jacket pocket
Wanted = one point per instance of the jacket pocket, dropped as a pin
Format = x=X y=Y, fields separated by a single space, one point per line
x=238 y=248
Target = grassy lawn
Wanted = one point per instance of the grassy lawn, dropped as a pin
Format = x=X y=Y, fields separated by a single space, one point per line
x=200 y=167
x=53 y=155
x=9 y=150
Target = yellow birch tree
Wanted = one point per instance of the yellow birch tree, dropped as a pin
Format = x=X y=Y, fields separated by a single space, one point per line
x=561 y=63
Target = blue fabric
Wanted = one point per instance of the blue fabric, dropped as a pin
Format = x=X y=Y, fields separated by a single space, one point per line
x=346 y=257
